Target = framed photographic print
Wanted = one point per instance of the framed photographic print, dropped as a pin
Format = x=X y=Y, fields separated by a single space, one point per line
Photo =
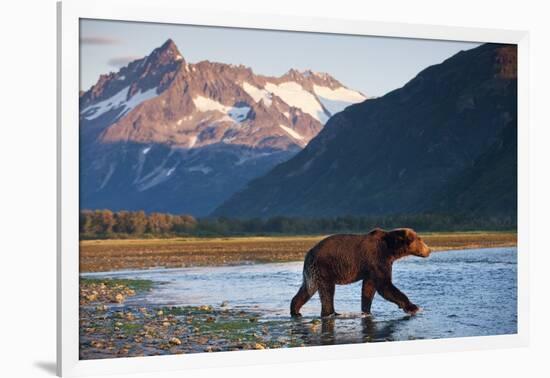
x=247 y=188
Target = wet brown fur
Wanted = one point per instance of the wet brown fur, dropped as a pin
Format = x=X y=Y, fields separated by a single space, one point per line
x=343 y=259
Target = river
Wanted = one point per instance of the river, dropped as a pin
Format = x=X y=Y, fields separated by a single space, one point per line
x=461 y=293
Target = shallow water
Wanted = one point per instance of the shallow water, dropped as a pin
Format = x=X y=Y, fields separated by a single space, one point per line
x=461 y=293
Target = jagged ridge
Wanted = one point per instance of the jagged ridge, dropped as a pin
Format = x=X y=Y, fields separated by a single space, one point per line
x=192 y=134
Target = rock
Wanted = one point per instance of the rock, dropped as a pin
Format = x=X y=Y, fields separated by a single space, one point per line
x=119 y=298
x=258 y=346
x=175 y=341
x=97 y=344
x=91 y=297
x=166 y=324
x=314 y=324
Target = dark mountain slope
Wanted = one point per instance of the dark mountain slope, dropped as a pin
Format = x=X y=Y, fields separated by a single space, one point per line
x=406 y=151
x=489 y=187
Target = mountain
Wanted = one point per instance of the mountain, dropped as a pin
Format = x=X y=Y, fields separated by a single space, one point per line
x=163 y=134
x=445 y=142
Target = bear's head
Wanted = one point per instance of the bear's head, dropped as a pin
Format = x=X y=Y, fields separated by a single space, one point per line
x=406 y=242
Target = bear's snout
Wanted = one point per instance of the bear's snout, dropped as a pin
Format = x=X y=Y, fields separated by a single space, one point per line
x=425 y=250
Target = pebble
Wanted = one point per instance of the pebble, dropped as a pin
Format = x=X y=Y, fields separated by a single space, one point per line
x=97 y=344
x=175 y=341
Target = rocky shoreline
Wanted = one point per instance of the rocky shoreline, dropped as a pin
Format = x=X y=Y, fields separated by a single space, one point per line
x=110 y=328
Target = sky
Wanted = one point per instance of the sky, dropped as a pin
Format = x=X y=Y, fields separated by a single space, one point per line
x=372 y=65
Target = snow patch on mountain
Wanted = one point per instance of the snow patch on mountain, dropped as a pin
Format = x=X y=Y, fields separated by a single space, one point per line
x=336 y=100
x=192 y=141
x=170 y=171
x=239 y=114
x=236 y=113
x=155 y=178
x=257 y=94
x=118 y=101
x=295 y=95
x=247 y=155
x=108 y=176
x=200 y=168
x=291 y=132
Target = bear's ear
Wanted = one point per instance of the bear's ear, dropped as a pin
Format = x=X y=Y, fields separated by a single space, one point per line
x=396 y=238
x=376 y=230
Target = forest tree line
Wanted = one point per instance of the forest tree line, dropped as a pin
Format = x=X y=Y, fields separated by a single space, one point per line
x=120 y=224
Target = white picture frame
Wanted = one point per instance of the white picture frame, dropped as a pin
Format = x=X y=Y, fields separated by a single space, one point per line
x=163 y=11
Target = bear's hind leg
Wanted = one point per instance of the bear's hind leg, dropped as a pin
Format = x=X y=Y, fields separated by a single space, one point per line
x=367 y=294
x=299 y=300
x=326 y=293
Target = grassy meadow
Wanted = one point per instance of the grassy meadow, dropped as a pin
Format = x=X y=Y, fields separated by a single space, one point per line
x=117 y=254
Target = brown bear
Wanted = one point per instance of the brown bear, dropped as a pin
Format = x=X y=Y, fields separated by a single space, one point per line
x=343 y=259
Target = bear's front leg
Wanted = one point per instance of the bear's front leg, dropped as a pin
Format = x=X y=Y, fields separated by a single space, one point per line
x=367 y=294
x=393 y=294
x=326 y=294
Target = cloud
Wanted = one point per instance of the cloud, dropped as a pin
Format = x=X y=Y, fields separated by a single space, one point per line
x=99 y=41
x=120 y=61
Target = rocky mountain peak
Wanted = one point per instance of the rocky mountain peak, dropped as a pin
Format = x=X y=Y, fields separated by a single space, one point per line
x=168 y=53
x=163 y=99
x=308 y=79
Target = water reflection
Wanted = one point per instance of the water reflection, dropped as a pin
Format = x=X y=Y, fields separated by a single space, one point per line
x=345 y=330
